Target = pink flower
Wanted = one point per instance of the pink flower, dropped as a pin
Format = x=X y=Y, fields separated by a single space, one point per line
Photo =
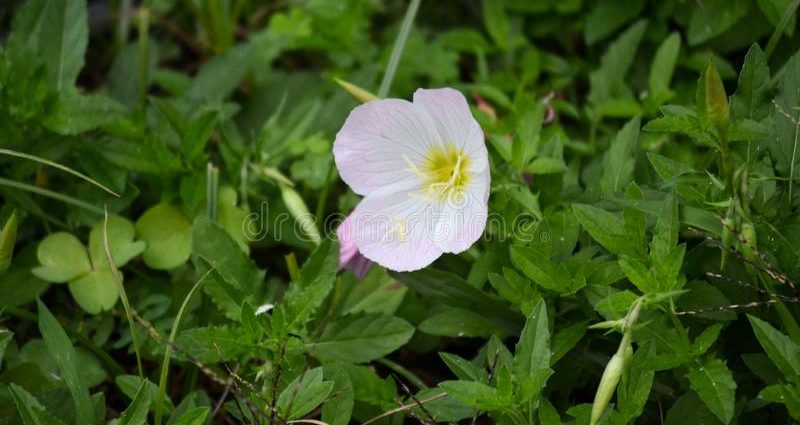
x=349 y=257
x=423 y=170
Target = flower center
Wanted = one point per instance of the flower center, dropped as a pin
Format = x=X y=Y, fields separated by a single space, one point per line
x=444 y=171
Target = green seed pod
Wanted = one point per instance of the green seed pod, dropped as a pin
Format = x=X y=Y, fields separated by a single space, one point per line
x=749 y=241
x=608 y=384
x=299 y=211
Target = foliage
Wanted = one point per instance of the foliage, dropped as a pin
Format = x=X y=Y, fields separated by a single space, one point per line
x=644 y=161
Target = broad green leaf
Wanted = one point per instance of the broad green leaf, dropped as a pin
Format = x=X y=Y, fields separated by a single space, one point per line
x=339 y=407
x=58 y=30
x=8 y=237
x=136 y=413
x=665 y=236
x=714 y=382
x=784 y=394
x=361 y=339
x=548 y=415
x=784 y=352
x=690 y=409
x=475 y=394
x=714 y=18
x=95 y=291
x=751 y=99
x=235 y=278
x=606 y=228
x=619 y=160
x=168 y=235
x=566 y=338
x=532 y=354
x=303 y=395
x=75 y=113
x=121 y=242
x=450 y=289
x=66 y=358
x=196 y=416
x=443 y=410
x=29 y=408
x=457 y=322
x=662 y=68
x=463 y=369
x=542 y=270
x=609 y=15
x=130 y=385
x=633 y=391
x=214 y=344
x=62 y=257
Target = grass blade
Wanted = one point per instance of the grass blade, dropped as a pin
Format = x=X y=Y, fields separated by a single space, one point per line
x=162 y=381
x=780 y=28
x=64 y=168
x=399 y=45
x=50 y=194
x=117 y=277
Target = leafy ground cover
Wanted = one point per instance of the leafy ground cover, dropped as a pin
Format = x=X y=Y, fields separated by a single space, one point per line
x=169 y=255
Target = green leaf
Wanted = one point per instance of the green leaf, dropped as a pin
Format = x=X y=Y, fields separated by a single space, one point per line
x=784 y=394
x=544 y=272
x=609 y=15
x=496 y=21
x=215 y=344
x=716 y=100
x=457 y=322
x=548 y=415
x=168 y=235
x=136 y=413
x=303 y=395
x=689 y=409
x=95 y=291
x=452 y=290
x=339 y=408
x=130 y=385
x=74 y=113
x=620 y=159
x=566 y=338
x=607 y=83
x=62 y=257
x=662 y=68
x=714 y=18
x=361 y=339
x=463 y=369
x=29 y=408
x=665 y=236
x=774 y=11
x=714 y=382
x=751 y=99
x=121 y=242
x=57 y=30
x=235 y=278
x=532 y=354
x=637 y=381
x=607 y=229
x=784 y=352
x=784 y=144
x=8 y=237
x=195 y=416
x=66 y=358
x=475 y=394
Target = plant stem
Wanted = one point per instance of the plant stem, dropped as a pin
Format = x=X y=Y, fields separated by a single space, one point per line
x=399 y=44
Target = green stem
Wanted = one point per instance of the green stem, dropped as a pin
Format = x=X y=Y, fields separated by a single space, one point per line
x=399 y=44
x=405 y=373
x=780 y=28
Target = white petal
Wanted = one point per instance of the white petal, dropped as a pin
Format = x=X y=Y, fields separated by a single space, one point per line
x=463 y=218
x=395 y=227
x=378 y=141
x=454 y=121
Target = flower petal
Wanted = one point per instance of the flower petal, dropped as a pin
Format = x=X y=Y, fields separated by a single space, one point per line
x=378 y=141
x=462 y=219
x=395 y=227
x=454 y=121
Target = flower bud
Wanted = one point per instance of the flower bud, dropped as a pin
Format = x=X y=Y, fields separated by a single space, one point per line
x=749 y=242
x=299 y=211
x=608 y=384
x=716 y=101
x=359 y=94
